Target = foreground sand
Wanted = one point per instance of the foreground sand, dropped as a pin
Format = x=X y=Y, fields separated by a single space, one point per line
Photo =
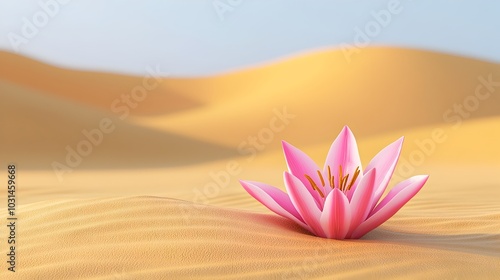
x=145 y=237
x=132 y=209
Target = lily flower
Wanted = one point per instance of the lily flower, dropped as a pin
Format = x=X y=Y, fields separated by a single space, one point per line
x=341 y=200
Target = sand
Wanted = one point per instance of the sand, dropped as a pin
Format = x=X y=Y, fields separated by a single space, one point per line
x=151 y=200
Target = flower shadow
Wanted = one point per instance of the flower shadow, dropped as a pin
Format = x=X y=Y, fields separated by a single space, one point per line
x=477 y=243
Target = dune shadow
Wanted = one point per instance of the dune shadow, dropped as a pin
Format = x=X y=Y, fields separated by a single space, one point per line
x=143 y=148
x=477 y=243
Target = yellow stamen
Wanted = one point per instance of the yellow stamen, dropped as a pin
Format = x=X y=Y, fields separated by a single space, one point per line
x=321 y=177
x=341 y=178
x=344 y=183
x=313 y=185
x=356 y=174
x=330 y=177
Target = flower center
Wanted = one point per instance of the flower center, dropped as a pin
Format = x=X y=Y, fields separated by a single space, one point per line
x=344 y=184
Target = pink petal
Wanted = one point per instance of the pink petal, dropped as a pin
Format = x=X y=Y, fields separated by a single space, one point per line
x=361 y=200
x=304 y=203
x=344 y=151
x=396 y=198
x=418 y=180
x=336 y=216
x=299 y=164
x=385 y=162
x=274 y=199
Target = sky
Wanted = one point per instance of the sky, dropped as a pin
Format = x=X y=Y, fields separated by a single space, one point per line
x=206 y=37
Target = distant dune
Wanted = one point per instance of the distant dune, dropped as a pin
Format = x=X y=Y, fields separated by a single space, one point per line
x=154 y=198
x=382 y=90
x=41 y=127
x=99 y=90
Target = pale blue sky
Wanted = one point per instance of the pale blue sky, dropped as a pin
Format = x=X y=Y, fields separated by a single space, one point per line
x=189 y=37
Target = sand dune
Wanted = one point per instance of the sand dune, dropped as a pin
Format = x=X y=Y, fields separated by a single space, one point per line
x=132 y=208
x=99 y=90
x=40 y=129
x=391 y=88
x=384 y=89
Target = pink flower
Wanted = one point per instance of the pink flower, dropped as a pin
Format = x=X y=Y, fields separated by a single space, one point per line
x=340 y=201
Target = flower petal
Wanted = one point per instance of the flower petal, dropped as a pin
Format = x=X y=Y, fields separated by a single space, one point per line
x=418 y=181
x=274 y=199
x=396 y=198
x=361 y=200
x=304 y=203
x=385 y=162
x=343 y=152
x=336 y=216
x=299 y=164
